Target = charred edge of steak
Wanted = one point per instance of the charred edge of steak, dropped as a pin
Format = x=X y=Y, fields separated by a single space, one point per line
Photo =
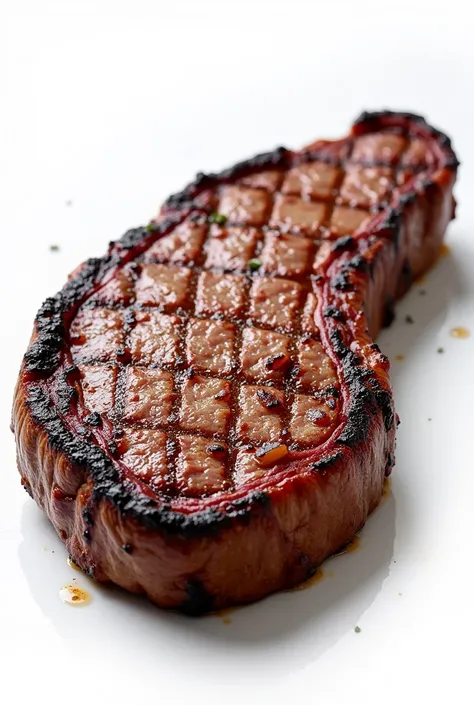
x=325 y=463
x=333 y=312
x=137 y=236
x=281 y=157
x=373 y=119
x=277 y=159
x=391 y=226
x=372 y=116
x=406 y=276
x=199 y=601
x=389 y=312
x=44 y=355
x=109 y=485
x=366 y=395
x=346 y=242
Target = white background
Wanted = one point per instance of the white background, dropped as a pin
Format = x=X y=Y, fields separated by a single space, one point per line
x=106 y=108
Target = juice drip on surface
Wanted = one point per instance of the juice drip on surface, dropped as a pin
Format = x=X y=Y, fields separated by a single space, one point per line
x=73 y=565
x=444 y=250
x=314 y=580
x=460 y=332
x=74 y=595
x=351 y=547
x=387 y=484
x=224 y=614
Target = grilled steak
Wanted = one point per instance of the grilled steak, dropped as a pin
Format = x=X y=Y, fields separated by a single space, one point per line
x=203 y=413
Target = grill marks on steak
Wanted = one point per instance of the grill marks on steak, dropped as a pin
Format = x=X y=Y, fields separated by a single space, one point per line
x=229 y=380
x=208 y=395
x=213 y=350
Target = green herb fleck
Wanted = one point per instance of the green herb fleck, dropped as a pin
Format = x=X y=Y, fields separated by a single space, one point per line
x=255 y=264
x=54 y=248
x=150 y=226
x=440 y=350
x=218 y=218
x=357 y=630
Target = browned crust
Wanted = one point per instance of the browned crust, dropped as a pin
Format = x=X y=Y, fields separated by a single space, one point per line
x=277 y=545
x=238 y=548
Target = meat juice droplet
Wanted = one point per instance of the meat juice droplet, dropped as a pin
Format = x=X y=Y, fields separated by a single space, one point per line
x=351 y=547
x=226 y=613
x=316 y=578
x=73 y=565
x=74 y=595
x=444 y=250
x=460 y=332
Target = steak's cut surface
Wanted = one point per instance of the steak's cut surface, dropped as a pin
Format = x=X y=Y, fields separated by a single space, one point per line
x=202 y=413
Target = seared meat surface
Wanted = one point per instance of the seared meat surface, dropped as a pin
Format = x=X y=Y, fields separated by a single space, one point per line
x=203 y=413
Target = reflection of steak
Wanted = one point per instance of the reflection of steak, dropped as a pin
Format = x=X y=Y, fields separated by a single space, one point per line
x=202 y=413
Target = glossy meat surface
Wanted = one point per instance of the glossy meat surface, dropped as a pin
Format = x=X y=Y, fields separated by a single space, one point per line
x=227 y=300
x=215 y=380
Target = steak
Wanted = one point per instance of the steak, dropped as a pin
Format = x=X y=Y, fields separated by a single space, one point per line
x=203 y=413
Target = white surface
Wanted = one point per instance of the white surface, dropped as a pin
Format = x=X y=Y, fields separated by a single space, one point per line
x=113 y=105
